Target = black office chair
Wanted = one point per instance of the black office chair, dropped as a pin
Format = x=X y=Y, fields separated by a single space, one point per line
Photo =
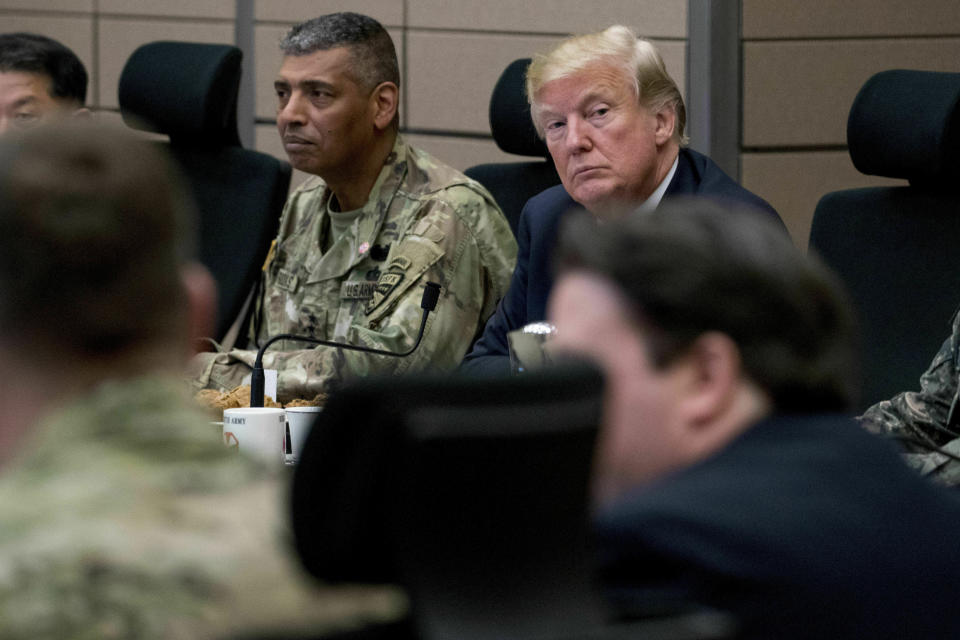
x=513 y=183
x=897 y=249
x=473 y=494
x=188 y=91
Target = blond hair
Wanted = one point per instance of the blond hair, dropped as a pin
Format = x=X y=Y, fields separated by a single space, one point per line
x=617 y=47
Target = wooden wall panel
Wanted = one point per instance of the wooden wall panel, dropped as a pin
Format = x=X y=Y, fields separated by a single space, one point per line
x=793 y=183
x=654 y=18
x=778 y=19
x=799 y=93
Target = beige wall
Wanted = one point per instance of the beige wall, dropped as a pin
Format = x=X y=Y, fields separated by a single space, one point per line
x=452 y=52
x=803 y=63
x=104 y=33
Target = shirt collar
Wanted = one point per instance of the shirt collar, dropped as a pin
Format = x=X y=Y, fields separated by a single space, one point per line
x=653 y=201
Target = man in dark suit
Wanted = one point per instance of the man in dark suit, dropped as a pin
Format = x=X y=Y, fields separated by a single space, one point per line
x=613 y=121
x=725 y=475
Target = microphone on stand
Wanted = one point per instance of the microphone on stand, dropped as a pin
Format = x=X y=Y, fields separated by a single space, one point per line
x=431 y=293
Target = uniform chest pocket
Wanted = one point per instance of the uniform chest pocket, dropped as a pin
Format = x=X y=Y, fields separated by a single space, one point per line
x=404 y=267
x=301 y=309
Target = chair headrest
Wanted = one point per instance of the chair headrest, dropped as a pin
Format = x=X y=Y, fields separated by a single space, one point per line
x=906 y=124
x=510 y=120
x=186 y=90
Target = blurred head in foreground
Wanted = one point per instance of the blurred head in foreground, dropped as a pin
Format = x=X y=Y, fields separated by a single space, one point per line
x=95 y=276
x=704 y=320
x=39 y=79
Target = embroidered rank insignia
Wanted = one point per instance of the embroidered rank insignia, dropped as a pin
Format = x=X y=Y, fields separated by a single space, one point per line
x=357 y=290
x=286 y=280
x=385 y=286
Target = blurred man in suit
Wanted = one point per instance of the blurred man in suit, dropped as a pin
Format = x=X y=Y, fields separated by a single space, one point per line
x=727 y=476
x=40 y=79
x=613 y=121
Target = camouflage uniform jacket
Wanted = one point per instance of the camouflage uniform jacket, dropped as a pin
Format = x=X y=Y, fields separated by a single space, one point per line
x=423 y=221
x=125 y=517
x=922 y=416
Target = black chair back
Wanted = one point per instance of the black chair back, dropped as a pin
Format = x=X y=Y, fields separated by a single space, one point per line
x=513 y=183
x=472 y=493
x=896 y=248
x=188 y=91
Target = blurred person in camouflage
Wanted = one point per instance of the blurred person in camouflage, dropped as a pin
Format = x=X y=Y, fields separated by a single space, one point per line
x=123 y=514
x=927 y=422
x=40 y=79
x=358 y=242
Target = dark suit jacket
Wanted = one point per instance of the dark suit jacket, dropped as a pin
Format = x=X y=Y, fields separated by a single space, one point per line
x=526 y=299
x=803 y=527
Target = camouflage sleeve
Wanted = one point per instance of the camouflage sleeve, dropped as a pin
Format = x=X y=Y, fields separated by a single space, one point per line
x=922 y=415
x=460 y=241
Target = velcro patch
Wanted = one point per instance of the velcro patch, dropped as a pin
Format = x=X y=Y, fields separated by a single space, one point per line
x=357 y=290
x=286 y=280
x=385 y=285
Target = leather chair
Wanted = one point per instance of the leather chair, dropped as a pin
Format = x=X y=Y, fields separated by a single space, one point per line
x=188 y=91
x=472 y=494
x=897 y=249
x=513 y=183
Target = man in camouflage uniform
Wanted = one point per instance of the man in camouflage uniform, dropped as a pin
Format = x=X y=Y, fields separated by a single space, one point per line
x=926 y=421
x=124 y=515
x=358 y=242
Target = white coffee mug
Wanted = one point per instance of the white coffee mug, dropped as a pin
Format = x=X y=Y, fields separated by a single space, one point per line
x=256 y=431
x=299 y=421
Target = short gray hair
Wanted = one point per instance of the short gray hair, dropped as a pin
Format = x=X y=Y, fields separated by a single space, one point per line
x=372 y=50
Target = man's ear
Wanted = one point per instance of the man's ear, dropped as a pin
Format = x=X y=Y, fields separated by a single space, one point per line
x=384 y=100
x=201 y=292
x=711 y=381
x=666 y=124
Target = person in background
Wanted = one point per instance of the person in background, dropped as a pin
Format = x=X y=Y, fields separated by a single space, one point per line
x=123 y=514
x=727 y=476
x=613 y=121
x=927 y=422
x=40 y=79
x=358 y=241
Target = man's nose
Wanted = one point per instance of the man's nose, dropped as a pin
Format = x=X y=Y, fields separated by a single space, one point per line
x=578 y=136
x=292 y=112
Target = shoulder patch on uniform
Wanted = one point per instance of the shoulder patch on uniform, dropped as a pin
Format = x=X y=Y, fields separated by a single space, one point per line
x=400 y=263
x=427 y=229
x=385 y=286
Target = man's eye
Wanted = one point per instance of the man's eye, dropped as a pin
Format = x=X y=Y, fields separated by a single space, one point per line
x=24 y=119
x=601 y=111
x=553 y=125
